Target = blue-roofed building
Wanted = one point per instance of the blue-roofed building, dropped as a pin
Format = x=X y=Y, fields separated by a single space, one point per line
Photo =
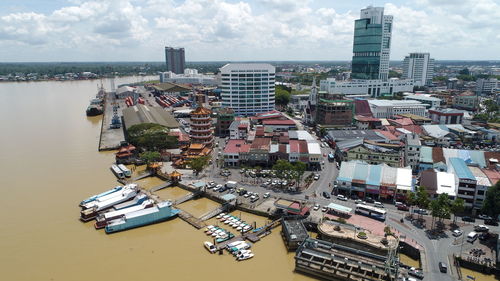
x=466 y=180
x=375 y=181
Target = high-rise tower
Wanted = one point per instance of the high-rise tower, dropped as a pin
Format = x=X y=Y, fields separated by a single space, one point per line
x=175 y=60
x=419 y=67
x=372 y=44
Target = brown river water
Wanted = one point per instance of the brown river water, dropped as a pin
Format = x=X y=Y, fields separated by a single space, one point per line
x=49 y=162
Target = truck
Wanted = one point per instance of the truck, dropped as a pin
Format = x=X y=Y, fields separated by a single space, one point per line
x=231 y=184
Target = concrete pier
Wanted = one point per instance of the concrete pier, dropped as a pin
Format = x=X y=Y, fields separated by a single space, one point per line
x=110 y=138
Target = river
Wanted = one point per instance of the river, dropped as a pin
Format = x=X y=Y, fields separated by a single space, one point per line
x=49 y=163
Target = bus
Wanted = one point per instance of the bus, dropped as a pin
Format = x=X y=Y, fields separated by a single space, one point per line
x=331 y=157
x=369 y=211
x=117 y=172
x=125 y=170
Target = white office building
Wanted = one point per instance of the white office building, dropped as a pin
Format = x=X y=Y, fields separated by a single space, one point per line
x=248 y=88
x=389 y=108
x=366 y=88
x=419 y=67
x=487 y=86
x=190 y=76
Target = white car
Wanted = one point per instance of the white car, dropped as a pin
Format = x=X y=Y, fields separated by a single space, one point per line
x=341 y=197
x=316 y=207
x=456 y=232
x=316 y=177
x=266 y=195
x=378 y=204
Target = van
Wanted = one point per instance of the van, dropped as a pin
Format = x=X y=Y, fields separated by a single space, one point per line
x=472 y=236
x=231 y=184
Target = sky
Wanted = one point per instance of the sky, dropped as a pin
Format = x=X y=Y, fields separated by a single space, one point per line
x=245 y=30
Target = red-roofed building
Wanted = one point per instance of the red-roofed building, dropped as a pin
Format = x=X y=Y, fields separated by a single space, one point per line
x=493 y=175
x=361 y=107
x=414 y=129
x=233 y=150
x=366 y=122
x=280 y=125
x=298 y=151
x=399 y=122
x=390 y=137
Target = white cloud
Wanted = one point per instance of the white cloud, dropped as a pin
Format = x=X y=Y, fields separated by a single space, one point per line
x=244 y=30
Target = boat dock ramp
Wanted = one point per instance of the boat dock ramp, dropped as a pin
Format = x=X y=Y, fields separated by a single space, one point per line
x=252 y=236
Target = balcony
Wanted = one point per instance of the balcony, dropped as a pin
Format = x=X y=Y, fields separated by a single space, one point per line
x=197 y=130
x=200 y=118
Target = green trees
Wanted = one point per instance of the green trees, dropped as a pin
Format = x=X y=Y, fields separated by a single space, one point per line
x=457 y=206
x=491 y=204
x=299 y=169
x=282 y=96
x=151 y=136
x=197 y=164
x=150 y=156
x=422 y=198
x=285 y=169
x=440 y=207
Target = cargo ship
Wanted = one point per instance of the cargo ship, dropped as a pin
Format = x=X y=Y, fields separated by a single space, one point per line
x=96 y=104
x=103 y=219
x=161 y=212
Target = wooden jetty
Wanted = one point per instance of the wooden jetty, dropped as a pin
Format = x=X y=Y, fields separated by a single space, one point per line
x=192 y=220
x=252 y=236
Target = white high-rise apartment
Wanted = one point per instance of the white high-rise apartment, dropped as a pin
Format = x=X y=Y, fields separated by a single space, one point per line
x=248 y=88
x=419 y=67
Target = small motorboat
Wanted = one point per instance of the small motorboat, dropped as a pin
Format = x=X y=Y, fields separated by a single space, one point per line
x=239 y=228
x=241 y=252
x=220 y=215
x=245 y=256
x=232 y=244
x=210 y=247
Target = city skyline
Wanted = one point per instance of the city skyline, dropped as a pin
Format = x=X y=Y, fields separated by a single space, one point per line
x=226 y=30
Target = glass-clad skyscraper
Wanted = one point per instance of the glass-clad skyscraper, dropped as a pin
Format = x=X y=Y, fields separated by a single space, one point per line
x=372 y=43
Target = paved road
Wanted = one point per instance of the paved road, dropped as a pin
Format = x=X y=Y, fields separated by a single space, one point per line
x=436 y=250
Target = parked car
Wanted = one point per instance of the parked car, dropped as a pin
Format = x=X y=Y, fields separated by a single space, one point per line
x=316 y=177
x=443 y=267
x=469 y=219
x=481 y=228
x=341 y=197
x=324 y=209
x=484 y=217
x=403 y=207
x=246 y=195
x=491 y=222
x=484 y=236
x=266 y=195
x=378 y=205
x=369 y=200
x=326 y=195
x=456 y=232
x=359 y=201
x=420 y=211
x=316 y=207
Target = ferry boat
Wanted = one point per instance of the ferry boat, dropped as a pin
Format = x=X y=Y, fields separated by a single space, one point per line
x=117 y=193
x=88 y=214
x=125 y=170
x=103 y=219
x=94 y=197
x=161 y=212
x=136 y=201
x=117 y=171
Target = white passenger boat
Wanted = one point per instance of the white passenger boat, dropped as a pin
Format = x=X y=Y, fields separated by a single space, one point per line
x=210 y=247
x=90 y=213
x=94 y=203
x=220 y=215
x=232 y=244
x=245 y=256
x=126 y=172
x=102 y=219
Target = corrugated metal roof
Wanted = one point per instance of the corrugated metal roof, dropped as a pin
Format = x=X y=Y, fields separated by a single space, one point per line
x=361 y=171
x=461 y=169
x=478 y=157
x=346 y=171
x=426 y=154
x=374 y=175
x=388 y=175
x=481 y=177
